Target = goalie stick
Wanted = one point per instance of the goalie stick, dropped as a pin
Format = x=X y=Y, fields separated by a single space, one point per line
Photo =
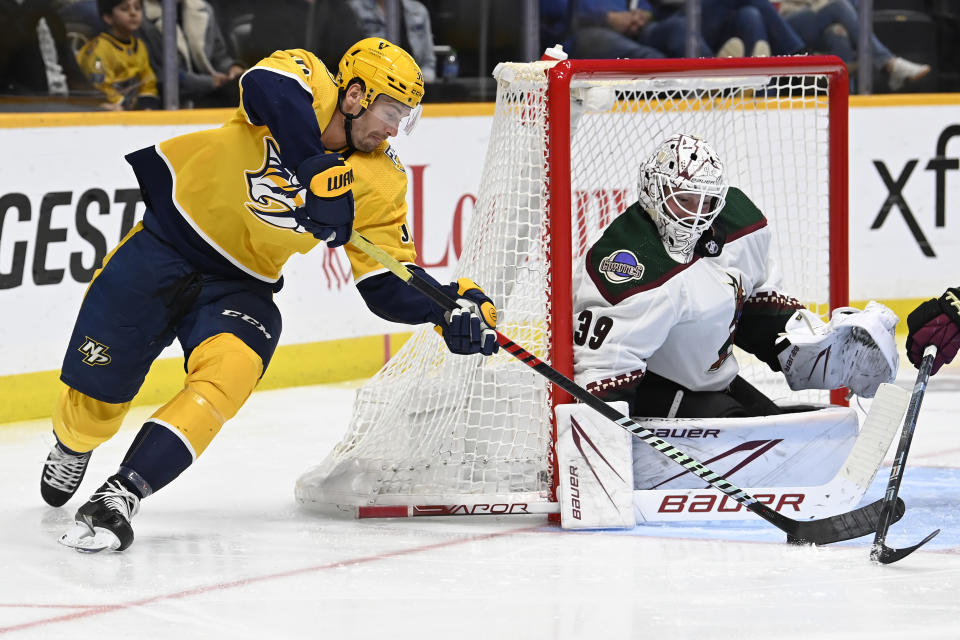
x=844 y=526
x=879 y=551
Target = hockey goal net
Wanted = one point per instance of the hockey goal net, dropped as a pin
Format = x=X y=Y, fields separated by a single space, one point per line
x=434 y=433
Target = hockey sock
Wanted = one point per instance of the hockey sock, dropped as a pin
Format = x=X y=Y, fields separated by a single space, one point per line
x=157 y=456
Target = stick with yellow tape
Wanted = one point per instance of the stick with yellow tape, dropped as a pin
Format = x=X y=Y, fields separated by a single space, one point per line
x=845 y=526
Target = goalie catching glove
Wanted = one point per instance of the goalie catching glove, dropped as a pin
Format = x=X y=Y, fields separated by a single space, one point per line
x=470 y=329
x=856 y=349
x=328 y=212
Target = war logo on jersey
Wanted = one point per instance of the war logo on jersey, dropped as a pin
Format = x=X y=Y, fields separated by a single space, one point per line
x=274 y=191
x=94 y=353
x=621 y=266
x=390 y=153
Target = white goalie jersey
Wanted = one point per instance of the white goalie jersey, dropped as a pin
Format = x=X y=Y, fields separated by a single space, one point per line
x=638 y=310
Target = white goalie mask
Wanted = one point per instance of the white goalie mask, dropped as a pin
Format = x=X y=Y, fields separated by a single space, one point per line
x=683 y=189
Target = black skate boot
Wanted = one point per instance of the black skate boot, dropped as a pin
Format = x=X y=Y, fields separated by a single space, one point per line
x=104 y=521
x=62 y=473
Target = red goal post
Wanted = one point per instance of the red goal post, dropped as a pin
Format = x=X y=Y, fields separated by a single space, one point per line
x=438 y=434
x=560 y=77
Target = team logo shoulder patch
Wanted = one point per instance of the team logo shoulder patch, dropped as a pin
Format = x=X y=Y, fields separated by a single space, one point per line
x=392 y=154
x=94 y=353
x=274 y=191
x=621 y=266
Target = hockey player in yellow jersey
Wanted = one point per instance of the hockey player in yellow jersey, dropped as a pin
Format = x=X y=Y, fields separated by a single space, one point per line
x=304 y=160
x=116 y=61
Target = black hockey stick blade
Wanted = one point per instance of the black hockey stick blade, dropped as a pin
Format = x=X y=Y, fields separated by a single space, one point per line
x=887 y=555
x=844 y=526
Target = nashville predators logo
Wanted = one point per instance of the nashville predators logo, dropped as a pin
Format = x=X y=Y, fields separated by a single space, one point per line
x=274 y=191
x=94 y=353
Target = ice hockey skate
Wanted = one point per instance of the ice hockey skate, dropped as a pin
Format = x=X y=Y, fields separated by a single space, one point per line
x=104 y=521
x=62 y=473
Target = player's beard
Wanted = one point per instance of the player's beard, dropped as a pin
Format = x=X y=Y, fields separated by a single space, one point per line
x=368 y=143
x=363 y=138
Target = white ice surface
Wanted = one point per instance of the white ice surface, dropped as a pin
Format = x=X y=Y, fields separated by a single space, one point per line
x=224 y=552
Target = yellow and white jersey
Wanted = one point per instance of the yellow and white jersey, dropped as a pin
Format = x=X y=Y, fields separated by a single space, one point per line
x=120 y=69
x=230 y=193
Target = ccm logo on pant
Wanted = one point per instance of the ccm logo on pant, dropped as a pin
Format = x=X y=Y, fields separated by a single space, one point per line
x=246 y=318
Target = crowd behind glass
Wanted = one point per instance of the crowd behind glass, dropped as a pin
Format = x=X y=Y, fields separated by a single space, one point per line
x=85 y=55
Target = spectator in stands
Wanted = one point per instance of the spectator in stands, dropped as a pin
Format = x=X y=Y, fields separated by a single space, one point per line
x=35 y=55
x=416 y=35
x=617 y=29
x=755 y=22
x=81 y=15
x=117 y=62
x=556 y=23
x=208 y=75
x=833 y=27
x=607 y=28
x=324 y=27
x=668 y=33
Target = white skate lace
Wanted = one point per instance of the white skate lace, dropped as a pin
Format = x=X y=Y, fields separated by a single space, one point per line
x=63 y=470
x=118 y=498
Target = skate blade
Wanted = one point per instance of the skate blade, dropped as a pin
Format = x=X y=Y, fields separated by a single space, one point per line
x=82 y=539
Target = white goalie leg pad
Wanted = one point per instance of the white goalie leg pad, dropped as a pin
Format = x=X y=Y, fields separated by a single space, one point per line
x=806 y=465
x=595 y=466
x=856 y=349
x=805 y=448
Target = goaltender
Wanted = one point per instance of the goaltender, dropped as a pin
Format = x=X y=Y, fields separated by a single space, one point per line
x=685 y=274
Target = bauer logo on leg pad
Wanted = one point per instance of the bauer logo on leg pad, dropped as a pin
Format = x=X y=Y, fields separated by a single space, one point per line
x=596 y=479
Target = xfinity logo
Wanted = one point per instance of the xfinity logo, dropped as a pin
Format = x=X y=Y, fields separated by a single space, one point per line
x=940 y=165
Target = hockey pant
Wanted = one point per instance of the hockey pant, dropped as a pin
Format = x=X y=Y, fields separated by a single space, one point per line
x=221 y=374
x=658 y=397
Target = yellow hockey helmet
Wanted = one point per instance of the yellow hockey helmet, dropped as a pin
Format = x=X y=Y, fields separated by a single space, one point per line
x=385 y=69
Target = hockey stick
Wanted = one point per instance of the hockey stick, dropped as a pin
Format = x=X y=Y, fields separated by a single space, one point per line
x=880 y=552
x=852 y=524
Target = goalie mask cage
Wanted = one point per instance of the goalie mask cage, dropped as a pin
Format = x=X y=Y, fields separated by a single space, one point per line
x=434 y=433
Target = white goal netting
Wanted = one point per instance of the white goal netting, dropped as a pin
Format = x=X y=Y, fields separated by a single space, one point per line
x=432 y=428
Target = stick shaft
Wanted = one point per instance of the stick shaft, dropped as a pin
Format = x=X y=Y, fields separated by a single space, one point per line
x=903 y=447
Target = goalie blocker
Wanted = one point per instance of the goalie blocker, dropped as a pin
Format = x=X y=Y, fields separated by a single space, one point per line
x=807 y=464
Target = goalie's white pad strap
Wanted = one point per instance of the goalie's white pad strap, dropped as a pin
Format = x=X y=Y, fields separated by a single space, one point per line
x=594 y=462
x=856 y=349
